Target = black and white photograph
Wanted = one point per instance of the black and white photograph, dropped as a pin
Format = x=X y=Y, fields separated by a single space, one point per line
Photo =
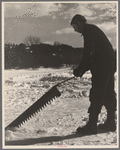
x=60 y=74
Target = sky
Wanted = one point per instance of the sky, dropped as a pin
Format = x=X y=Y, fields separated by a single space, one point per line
x=50 y=21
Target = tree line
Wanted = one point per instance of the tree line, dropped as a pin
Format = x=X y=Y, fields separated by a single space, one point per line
x=37 y=55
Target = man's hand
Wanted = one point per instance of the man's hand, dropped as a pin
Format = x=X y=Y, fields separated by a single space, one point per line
x=77 y=72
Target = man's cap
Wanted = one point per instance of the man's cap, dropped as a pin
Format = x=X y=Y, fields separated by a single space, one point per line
x=79 y=18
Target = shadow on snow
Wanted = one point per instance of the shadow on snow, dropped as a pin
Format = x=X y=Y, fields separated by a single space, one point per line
x=32 y=141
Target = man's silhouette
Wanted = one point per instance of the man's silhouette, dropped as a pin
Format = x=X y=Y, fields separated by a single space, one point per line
x=99 y=58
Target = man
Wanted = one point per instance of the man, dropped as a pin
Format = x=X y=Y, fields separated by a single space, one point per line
x=99 y=58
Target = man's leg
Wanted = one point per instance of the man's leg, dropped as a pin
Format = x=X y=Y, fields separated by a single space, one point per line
x=110 y=104
x=97 y=94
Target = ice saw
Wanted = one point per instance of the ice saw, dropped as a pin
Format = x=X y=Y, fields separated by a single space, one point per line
x=37 y=106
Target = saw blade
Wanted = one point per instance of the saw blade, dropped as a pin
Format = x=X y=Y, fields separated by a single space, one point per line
x=35 y=108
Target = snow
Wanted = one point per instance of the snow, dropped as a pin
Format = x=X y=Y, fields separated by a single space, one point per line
x=56 y=123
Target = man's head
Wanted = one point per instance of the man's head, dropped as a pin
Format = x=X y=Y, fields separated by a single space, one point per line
x=78 y=22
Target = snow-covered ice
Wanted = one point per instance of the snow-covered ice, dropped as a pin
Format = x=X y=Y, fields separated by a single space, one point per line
x=56 y=122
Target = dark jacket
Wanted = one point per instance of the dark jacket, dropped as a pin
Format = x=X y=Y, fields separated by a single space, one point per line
x=98 y=56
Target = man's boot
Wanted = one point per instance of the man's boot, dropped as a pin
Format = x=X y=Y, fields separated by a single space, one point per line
x=90 y=127
x=109 y=124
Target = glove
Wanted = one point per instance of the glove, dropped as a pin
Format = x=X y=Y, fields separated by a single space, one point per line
x=76 y=72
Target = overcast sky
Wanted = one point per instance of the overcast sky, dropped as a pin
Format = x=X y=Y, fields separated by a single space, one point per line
x=51 y=21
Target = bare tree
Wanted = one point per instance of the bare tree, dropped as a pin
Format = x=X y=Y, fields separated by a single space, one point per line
x=10 y=45
x=30 y=40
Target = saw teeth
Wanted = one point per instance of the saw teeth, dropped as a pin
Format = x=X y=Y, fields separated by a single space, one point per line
x=19 y=125
x=48 y=102
x=35 y=108
x=32 y=115
x=29 y=117
x=23 y=122
x=40 y=108
x=37 y=111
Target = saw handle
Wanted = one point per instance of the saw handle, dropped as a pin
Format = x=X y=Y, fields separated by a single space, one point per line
x=65 y=81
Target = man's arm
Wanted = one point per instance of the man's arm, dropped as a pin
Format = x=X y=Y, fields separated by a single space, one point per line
x=88 y=55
